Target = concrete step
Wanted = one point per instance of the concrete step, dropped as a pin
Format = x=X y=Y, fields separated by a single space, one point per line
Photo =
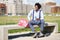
x=26 y=36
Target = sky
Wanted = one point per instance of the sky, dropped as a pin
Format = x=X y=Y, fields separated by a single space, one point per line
x=41 y=1
x=58 y=1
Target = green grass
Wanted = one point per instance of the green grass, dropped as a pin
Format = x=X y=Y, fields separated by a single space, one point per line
x=8 y=20
x=22 y=30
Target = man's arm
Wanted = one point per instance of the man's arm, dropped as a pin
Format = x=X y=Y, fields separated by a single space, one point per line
x=29 y=15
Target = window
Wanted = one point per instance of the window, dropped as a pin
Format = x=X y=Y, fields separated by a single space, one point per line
x=9 y=13
x=3 y=0
x=6 y=0
x=19 y=0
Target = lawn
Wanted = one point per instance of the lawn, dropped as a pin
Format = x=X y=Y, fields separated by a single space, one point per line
x=5 y=20
x=8 y=20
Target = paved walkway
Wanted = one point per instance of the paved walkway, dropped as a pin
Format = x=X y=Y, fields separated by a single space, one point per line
x=28 y=37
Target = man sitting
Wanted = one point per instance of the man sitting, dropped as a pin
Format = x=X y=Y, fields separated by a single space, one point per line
x=37 y=19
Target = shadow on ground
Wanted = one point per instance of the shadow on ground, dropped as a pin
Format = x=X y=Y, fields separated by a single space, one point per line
x=25 y=35
x=21 y=35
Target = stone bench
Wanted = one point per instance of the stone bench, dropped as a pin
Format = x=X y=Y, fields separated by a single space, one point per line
x=51 y=28
x=4 y=29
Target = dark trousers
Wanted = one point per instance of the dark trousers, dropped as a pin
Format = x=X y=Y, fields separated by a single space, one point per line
x=37 y=22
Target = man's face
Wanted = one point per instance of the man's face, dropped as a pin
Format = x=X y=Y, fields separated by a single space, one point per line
x=36 y=7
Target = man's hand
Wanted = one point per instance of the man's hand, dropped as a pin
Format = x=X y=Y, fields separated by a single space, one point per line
x=37 y=19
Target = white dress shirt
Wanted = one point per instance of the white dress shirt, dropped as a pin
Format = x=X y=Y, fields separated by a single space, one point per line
x=36 y=14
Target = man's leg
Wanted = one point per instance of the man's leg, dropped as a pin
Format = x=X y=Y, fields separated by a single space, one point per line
x=31 y=26
x=31 y=23
x=41 y=28
x=42 y=25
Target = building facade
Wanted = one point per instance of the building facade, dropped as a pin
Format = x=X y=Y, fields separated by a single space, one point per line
x=2 y=9
x=16 y=7
x=50 y=7
x=55 y=9
x=10 y=6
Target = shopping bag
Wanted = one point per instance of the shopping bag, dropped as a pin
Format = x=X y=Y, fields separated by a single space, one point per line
x=23 y=23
